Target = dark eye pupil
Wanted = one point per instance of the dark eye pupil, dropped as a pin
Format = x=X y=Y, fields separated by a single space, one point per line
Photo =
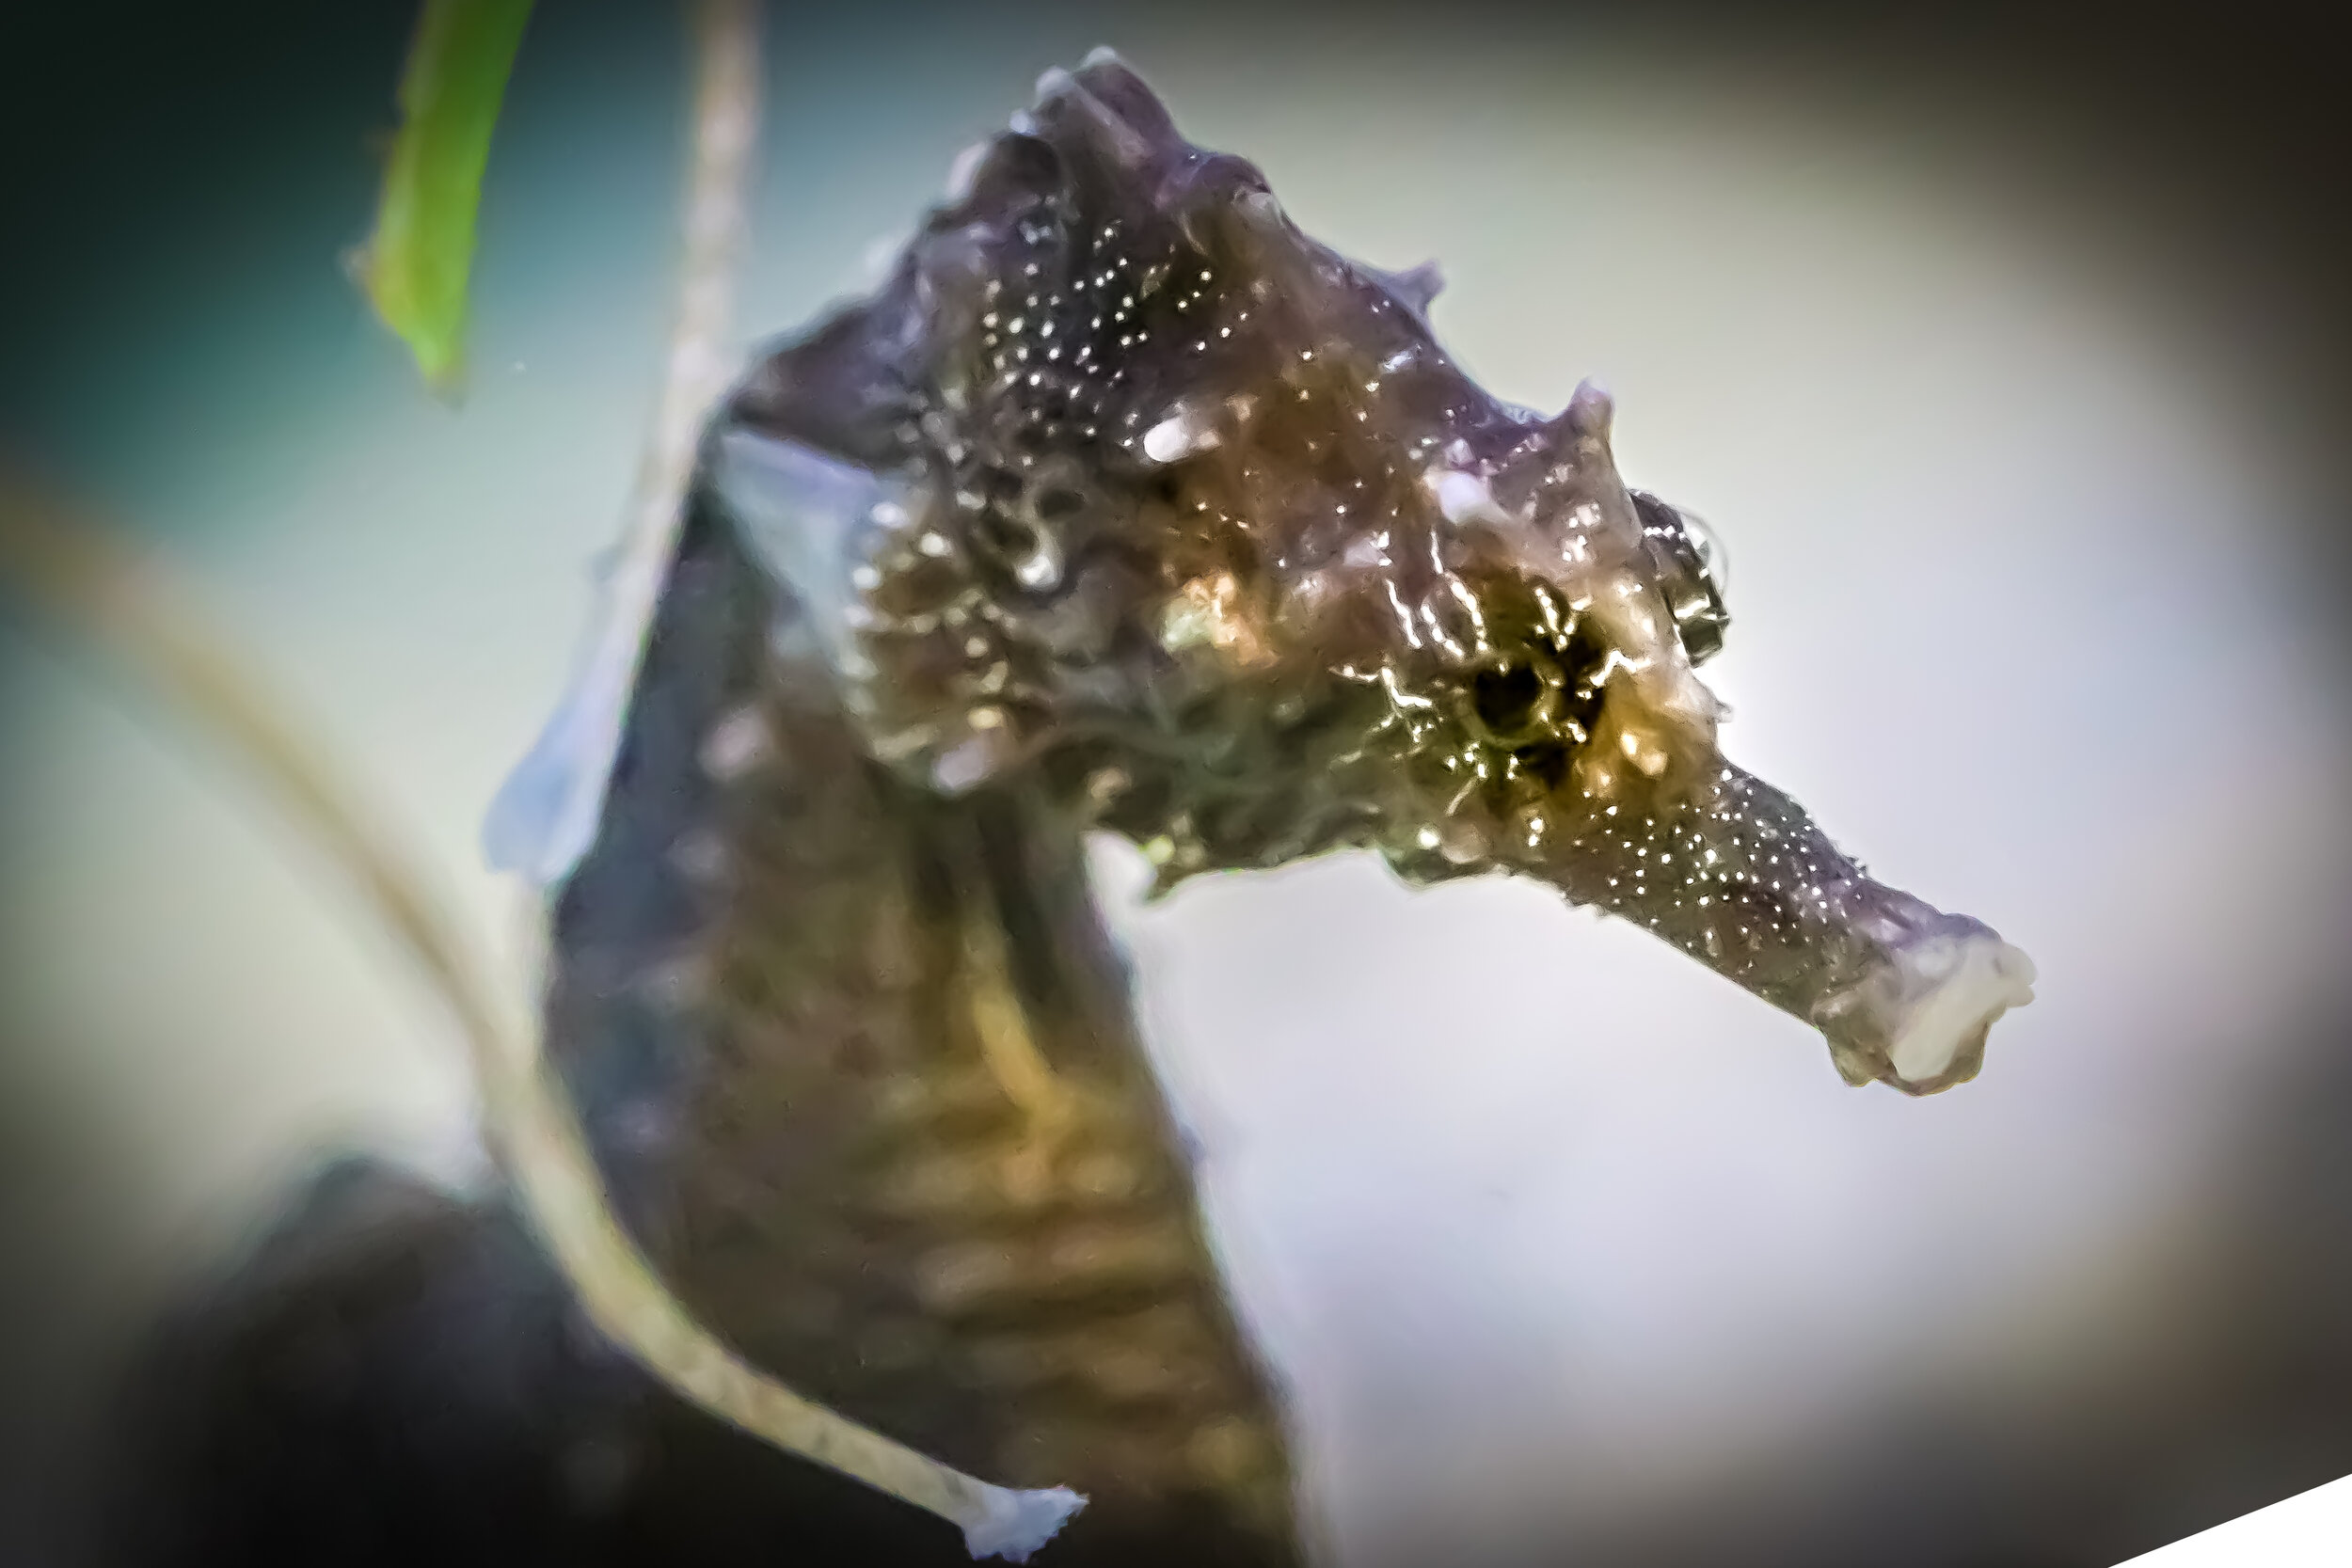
x=1506 y=699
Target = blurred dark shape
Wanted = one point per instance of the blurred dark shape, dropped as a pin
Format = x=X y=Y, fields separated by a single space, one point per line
x=397 y=1377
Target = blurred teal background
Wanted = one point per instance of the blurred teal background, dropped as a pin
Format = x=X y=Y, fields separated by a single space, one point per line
x=2007 y=371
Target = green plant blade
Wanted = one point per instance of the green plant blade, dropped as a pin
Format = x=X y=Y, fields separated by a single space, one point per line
x=414 y=268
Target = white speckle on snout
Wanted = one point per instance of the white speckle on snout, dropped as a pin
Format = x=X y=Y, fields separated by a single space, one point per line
x=1178 y=436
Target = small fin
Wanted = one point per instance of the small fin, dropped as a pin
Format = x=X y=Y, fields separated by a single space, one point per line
x=802 y=516
x=545 y=815
x=808 y=517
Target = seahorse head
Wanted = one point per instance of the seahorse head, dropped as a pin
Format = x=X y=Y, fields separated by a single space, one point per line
x=1122 y=484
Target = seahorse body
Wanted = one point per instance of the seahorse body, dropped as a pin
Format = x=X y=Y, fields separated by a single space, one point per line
x=1122 y=504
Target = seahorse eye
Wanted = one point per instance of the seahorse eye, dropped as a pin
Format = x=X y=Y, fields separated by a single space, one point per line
x=1512 y=703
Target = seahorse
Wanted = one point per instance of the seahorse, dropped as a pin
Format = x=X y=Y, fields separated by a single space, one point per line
x=1123 y=505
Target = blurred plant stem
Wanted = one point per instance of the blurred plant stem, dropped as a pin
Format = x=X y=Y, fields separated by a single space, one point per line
x=546 y=814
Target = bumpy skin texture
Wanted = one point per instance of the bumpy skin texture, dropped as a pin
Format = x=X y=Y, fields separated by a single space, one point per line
x=1124 y=505
x=1124 y=491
